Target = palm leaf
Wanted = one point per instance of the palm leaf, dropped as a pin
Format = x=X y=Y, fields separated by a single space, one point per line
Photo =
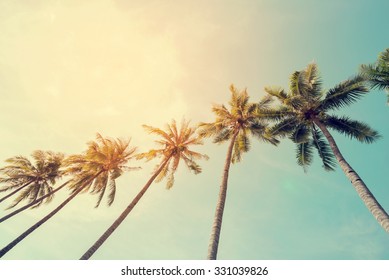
x=353 y=129
x=112 y=191
x=296 y=83
x=301 y=134
x=223 y=135
x=277 y=92
x=345 y=93
x=313 y=81
x=324 y=150
x=284 y=128
x=304 y=154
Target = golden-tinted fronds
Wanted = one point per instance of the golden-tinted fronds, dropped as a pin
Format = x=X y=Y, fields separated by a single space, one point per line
x=175 y=143
x=99 y=166
x=242 y=117
x=31 y=179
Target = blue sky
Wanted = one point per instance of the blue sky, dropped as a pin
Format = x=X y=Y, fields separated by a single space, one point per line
x=69 y=69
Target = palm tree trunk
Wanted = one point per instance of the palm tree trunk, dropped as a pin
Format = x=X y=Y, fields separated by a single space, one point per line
x=15 y=191
x=217 y=223
x=367 y=197
x=123 y=215
x=46 y=218
x=6 y=217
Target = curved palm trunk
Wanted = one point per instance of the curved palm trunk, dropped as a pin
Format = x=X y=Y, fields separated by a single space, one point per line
x=15 y=191
x=6 y=217
x=367 y=197
x=217 y=223
x=7 y=248
x=123 y=215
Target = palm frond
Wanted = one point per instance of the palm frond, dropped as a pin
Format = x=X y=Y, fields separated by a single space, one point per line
x=284 y=128
x=344 y=94
x=170 y=180
x=160 y=132
x=112 y=191
x=275 y=114
x=352 y=128
x=277 y=92
x=301 y=134
x=243 y=142
x=223 y=135
x=100 y=186
x=264 y=103
x=163 y=173
x=324 y=150
x=191 y=164
x=207 y=129
x=221 y=111
x=313 y=81
x=295 y=83
x=236 y=153
x=304 y=154
x=378 y=73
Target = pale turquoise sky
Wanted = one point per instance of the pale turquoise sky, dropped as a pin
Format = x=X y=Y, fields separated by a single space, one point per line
x=69 y=69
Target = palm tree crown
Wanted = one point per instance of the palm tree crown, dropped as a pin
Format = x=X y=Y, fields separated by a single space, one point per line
x=378 y=73
x=174 y=145
x=243 y=119
x=31 y=180
x=306 y=103
x=99 y=166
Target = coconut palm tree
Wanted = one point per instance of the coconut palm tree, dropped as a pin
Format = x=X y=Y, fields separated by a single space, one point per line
x=94 y=171
x=175 y=143
x=31 y=180
x=378 y=73
x=236 y=124
x=305 y=117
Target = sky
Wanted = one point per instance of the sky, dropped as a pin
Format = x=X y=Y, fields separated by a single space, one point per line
x=71 y=69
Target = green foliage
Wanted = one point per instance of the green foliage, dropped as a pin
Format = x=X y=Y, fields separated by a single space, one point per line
x=307 y=104
x=345 y=93
x=324 y=150
x=304 y=154
x=353 y=129
x=378 y=73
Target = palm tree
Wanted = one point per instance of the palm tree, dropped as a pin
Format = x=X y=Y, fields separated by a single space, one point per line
x=244 y=119
x=378 y=73
x=174 y=144
x=31 y=181
x=305 y=118
x=94 y=171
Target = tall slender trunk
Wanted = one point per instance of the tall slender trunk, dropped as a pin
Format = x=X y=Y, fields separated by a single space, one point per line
x=6 y=217
x=46 y=218
x=367 y=197
x=123 y=215
x=15 y=191
x=217 y=223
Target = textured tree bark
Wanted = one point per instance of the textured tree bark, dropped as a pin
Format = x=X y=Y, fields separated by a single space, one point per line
x=7 y=248
x=123 y=215
x=6 y=217
x=367 y=197
x=217 y=223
